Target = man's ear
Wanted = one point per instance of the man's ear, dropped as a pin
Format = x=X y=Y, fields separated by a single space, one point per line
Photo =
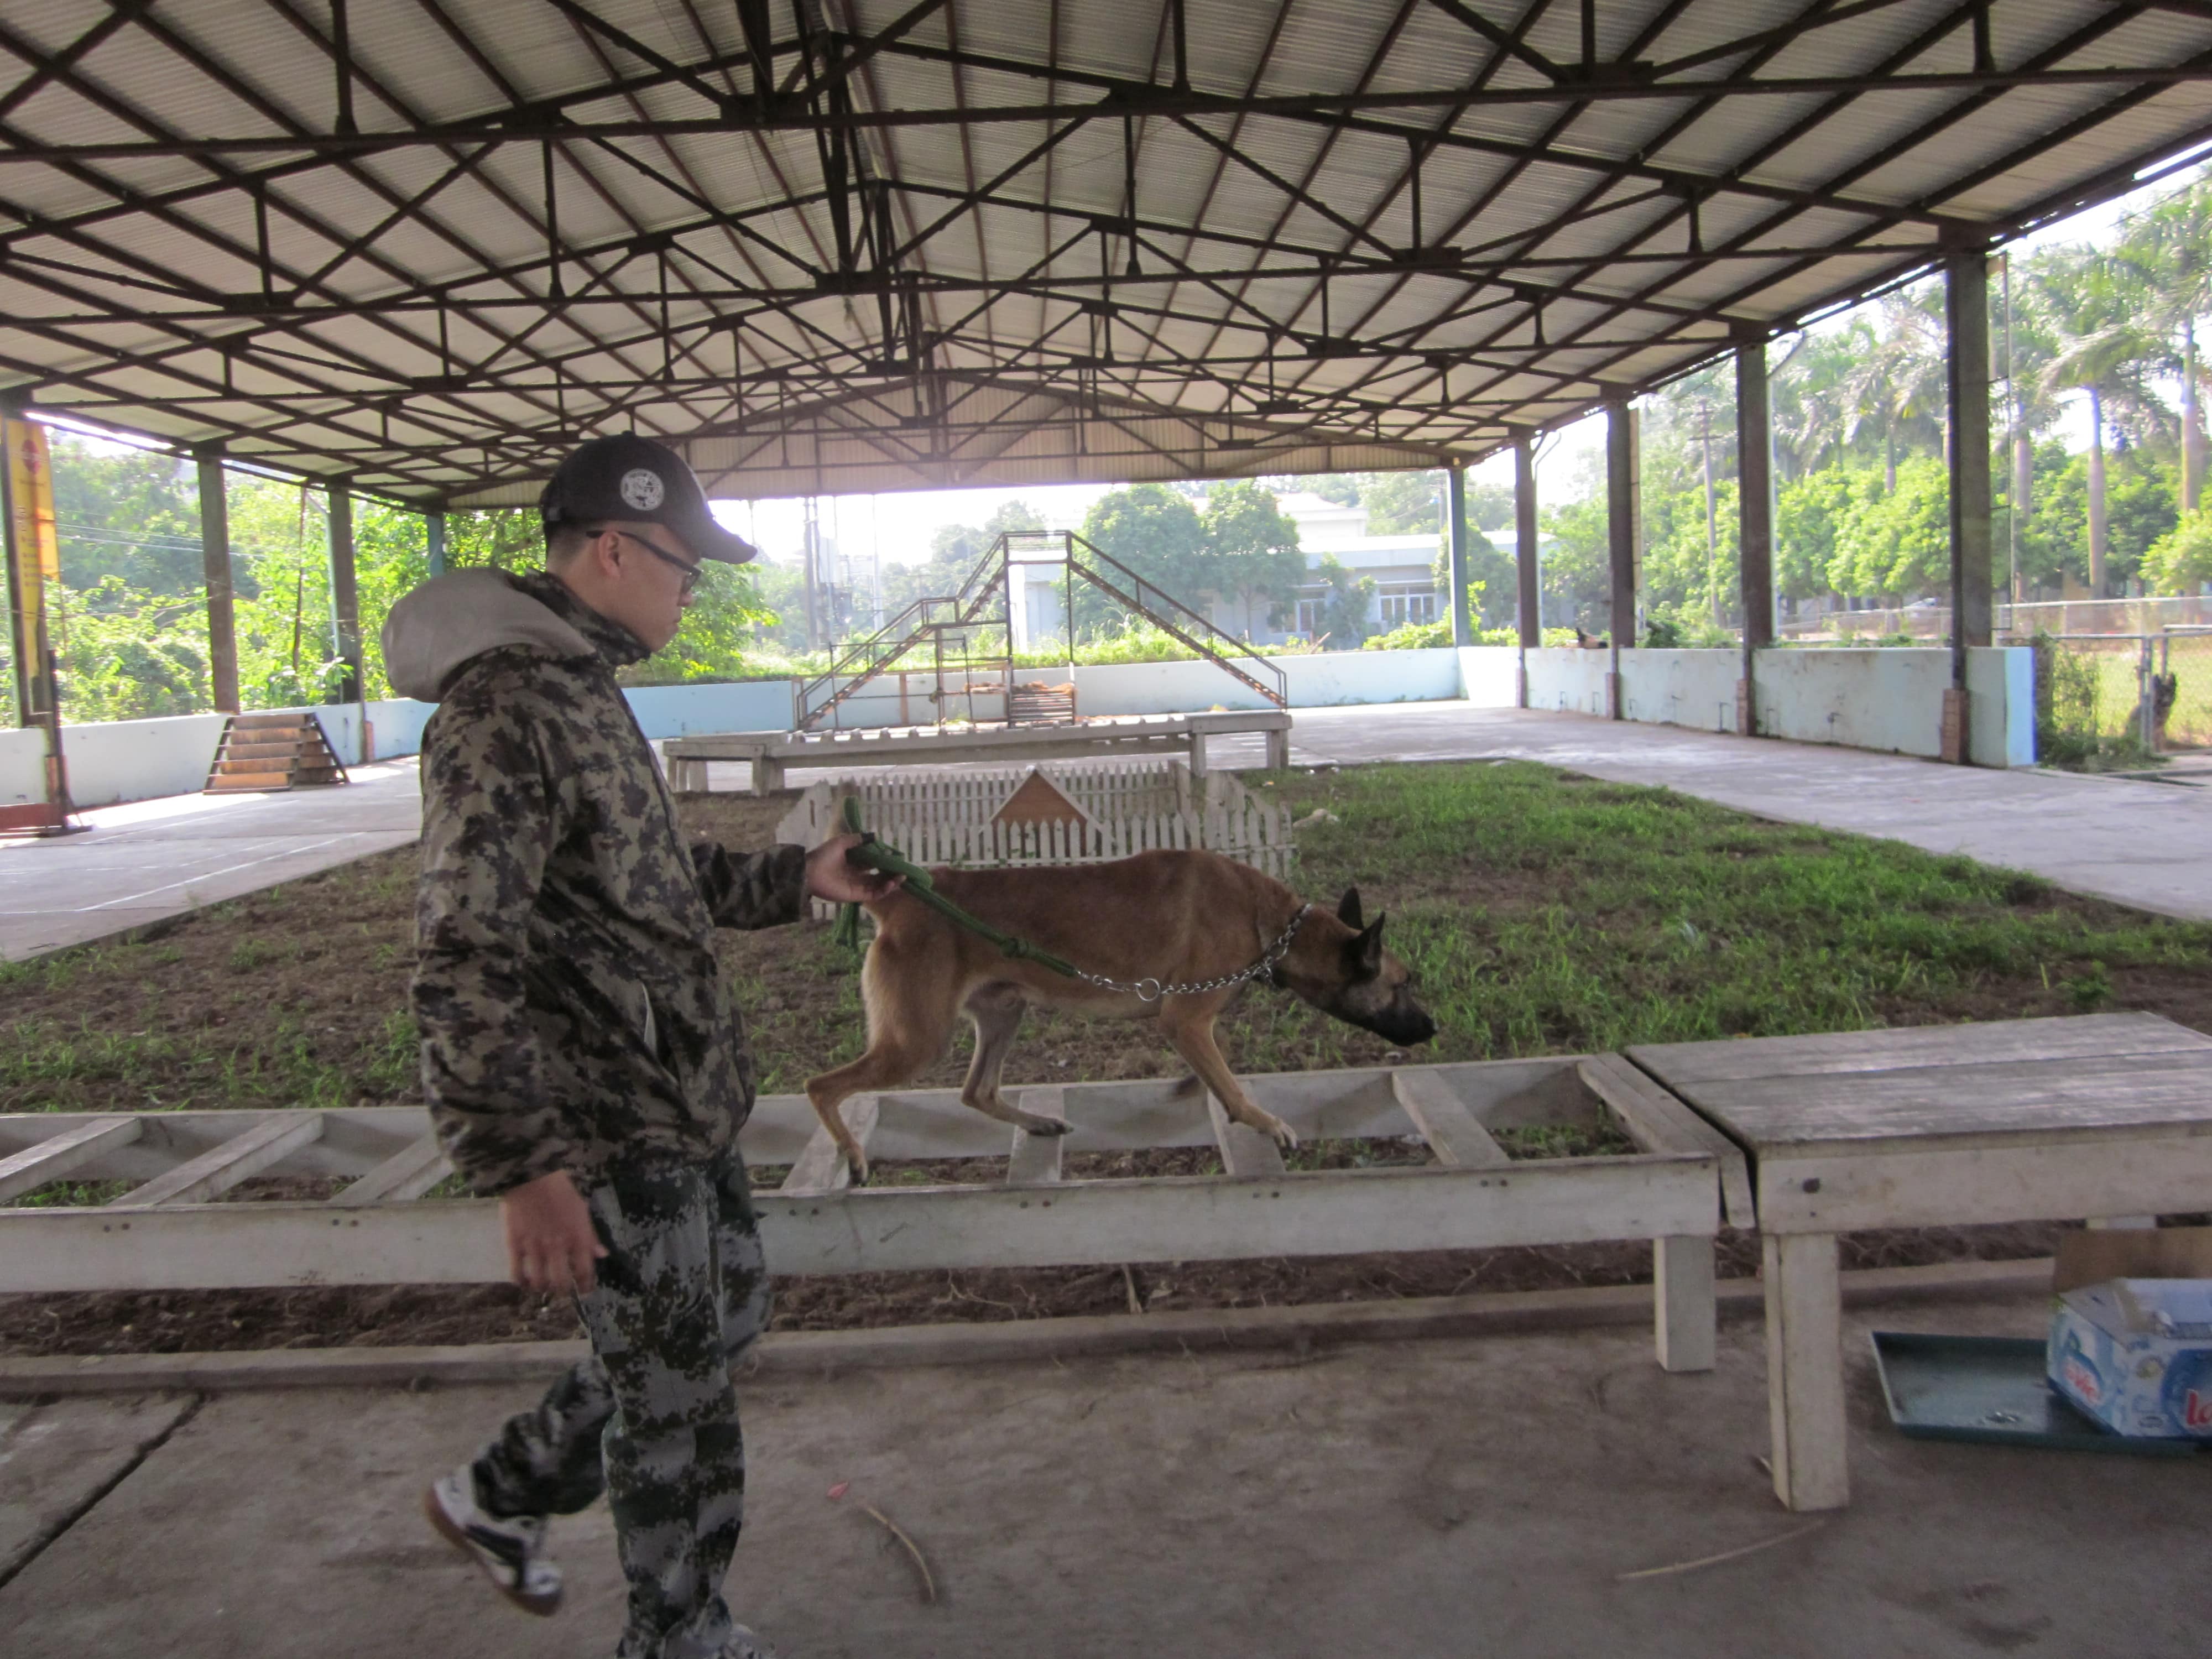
x=1348 y=908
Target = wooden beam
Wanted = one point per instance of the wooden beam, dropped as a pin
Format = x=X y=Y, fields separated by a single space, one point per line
x=821 y=1167
x=1805 y=1371
x=1458 y=1141
x=275 y=1138
x=897 y=1228
x=50 y=1160
x=1035 y=1159
x=407 y=1174
x=1245 y=1153
x=1657 y=1122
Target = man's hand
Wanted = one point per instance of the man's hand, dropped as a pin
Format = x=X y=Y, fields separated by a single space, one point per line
x=829 y=878
x=550 y=1245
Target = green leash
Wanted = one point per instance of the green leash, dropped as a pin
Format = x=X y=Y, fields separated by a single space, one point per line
x=873 y=854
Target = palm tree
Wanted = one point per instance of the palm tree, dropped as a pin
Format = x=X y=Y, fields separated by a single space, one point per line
x=2168 y=252
x=2101 y=346
x=1895 y=388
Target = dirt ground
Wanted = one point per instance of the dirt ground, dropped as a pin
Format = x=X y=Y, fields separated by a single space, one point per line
x=297 y=996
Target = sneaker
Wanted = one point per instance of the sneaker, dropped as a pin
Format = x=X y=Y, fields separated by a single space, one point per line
x=510 y=1549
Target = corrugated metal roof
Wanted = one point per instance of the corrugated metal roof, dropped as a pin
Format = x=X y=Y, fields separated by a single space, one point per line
x=412 y=329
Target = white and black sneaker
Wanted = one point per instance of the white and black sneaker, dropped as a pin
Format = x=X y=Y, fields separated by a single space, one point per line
x=510 y=1550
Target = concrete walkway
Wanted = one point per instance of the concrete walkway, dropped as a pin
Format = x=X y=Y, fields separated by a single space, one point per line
x=138 y=863
x=1435 y=1500
x=2144 y=844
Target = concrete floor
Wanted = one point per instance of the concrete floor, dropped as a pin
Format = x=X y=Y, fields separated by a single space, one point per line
x=1451 y=1497
x=138 y=863
x=2141 y=843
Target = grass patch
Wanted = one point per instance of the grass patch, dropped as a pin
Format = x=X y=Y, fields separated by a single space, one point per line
x=1542 y=913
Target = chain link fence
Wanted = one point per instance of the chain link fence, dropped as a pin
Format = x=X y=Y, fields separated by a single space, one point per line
x=2111 y=703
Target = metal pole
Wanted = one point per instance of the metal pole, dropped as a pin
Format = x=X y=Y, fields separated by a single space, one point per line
x=2016 y=496
x=1755 y=520
x=21 y=648
x=1620 y=482
x=345 y=597
x=1967 y=313
x=214 y=564
x=1528 y=606
x=1455 y=493
x=434 y=523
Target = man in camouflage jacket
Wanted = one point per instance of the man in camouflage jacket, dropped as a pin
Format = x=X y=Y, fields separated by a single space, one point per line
x=580 y=1055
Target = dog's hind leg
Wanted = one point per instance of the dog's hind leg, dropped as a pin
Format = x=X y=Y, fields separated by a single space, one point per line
x=912 y=1002
x=997 y=1012
x=1188 y=1023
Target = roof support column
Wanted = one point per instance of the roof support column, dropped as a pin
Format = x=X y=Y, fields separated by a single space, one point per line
x=1754 y=464
x=434 y=523
x=215 y=561
x=1528 y=607
x=1456 y=494
x=1966 y=311
x=345 y=596
x=1623 y=483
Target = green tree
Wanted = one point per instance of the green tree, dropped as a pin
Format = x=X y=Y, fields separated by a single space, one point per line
x=1158 y=534
x=2180 y=561
x=1251 y=552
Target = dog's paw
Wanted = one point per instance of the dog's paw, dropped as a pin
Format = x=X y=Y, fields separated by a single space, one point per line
x=1042 y=1126
x=856 y=1163
x=1191 y=1084
x=1285 y=1137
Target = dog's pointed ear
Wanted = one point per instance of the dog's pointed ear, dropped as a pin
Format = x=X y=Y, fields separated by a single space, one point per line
x=1347 y=908
x=1366 y=951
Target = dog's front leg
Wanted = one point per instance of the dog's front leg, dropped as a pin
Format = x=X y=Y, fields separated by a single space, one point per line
x=997 y=1010
x=1188 y=1023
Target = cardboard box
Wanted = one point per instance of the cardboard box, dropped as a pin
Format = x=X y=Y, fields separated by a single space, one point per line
x=2130 y=1341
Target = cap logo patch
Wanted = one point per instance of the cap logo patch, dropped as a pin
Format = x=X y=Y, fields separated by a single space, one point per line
x=642 y=489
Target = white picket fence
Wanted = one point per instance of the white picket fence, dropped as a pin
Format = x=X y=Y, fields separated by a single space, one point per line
x=942 y=816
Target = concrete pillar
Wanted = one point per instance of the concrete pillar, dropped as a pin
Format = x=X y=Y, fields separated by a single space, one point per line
x=1623 y=486
x=215 y=561
x=1754 y=463
x=1528 y=607
x=1456 y=494
x=345 y=597
x=436 y=523
x=1966 y=311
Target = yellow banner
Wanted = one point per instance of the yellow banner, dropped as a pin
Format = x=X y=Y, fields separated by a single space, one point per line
x=31 y=492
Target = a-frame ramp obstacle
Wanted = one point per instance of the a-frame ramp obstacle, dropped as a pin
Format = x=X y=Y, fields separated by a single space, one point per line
x=267 y=752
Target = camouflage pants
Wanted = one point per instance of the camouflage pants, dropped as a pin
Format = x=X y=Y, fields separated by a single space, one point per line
x=651 y=1418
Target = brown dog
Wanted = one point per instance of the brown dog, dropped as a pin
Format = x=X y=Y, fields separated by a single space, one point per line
x=1178 y=918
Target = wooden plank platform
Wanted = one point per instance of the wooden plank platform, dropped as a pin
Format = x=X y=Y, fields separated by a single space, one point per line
x=379 y=1230
x=1932 y=1125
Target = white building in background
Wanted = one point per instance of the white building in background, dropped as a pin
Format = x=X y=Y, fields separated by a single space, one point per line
x=1402 y=568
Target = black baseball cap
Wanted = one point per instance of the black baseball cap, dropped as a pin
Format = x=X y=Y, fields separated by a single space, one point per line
x=634 y=478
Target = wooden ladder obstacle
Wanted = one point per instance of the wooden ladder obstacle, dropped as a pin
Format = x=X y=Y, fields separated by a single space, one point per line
x=1032 y=703
x=268 y=752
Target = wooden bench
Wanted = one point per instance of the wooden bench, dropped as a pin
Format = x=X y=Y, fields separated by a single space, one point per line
x=1934 y=1126
x=772 y=754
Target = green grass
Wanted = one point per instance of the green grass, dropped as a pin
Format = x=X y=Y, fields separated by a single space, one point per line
x=1545 y=914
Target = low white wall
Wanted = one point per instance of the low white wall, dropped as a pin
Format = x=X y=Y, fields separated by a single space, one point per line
x=677 y=711
x=1569 y=680
x=22 y=766
x=1691 y=688
x=1880 y=698
x=1490 y=674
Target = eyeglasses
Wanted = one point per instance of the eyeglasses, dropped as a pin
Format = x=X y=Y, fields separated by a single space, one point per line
x=691 y=572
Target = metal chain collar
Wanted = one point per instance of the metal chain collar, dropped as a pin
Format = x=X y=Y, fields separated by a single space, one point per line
x=1151 y=990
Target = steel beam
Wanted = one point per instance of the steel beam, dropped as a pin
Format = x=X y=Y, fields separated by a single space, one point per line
x=215 y=562
x=1966 y=363
x=1755 y=520
x=1623 y=521
x=1456 y=494
x=345 y=596
x=1529 y=610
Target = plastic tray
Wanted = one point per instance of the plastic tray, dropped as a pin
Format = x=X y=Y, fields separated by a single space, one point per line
x=1992 y=1390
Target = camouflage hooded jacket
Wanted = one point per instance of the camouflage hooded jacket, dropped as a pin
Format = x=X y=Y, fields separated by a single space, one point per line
x=572 y=1012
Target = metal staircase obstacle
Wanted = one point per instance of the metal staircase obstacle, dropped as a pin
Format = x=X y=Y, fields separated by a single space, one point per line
x=970 y=632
